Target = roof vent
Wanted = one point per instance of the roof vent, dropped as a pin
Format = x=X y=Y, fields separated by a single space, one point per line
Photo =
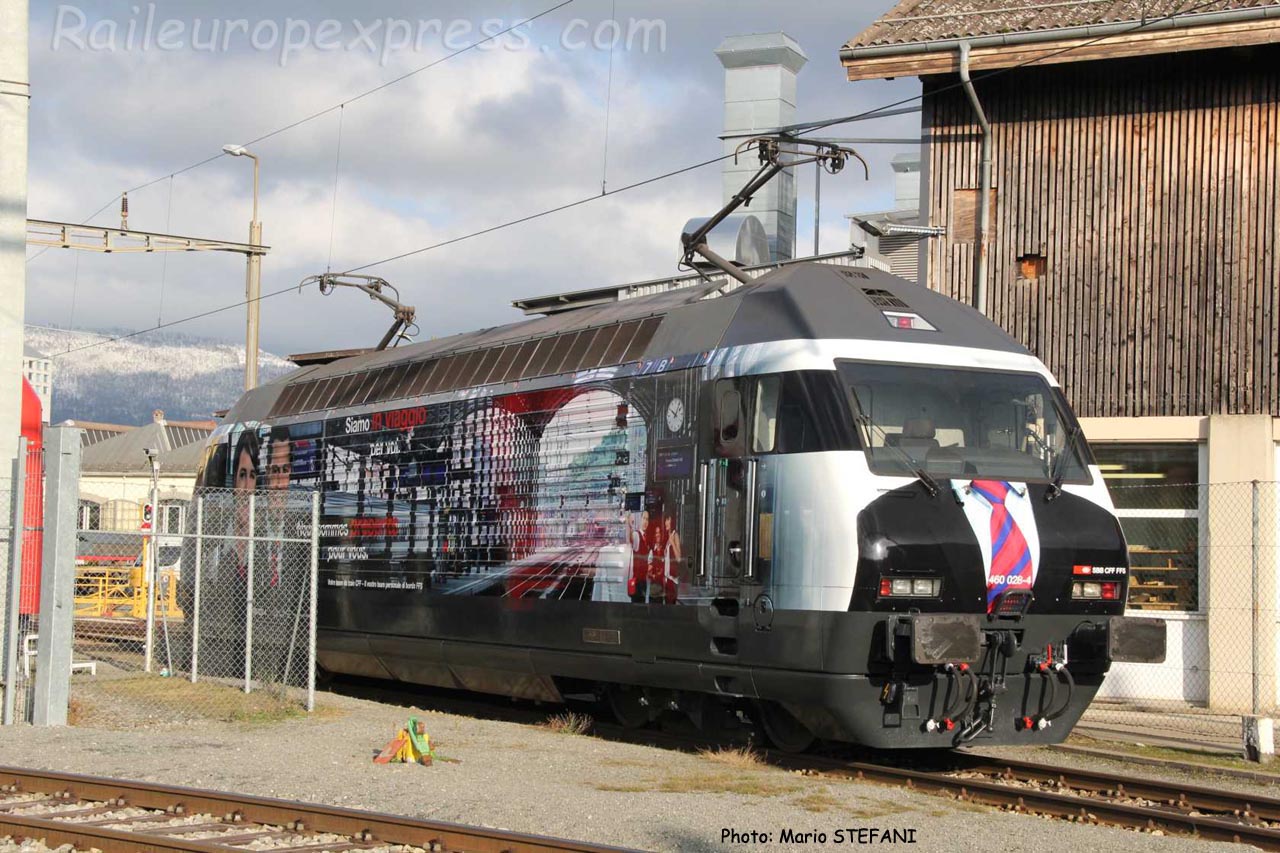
x=883 y=298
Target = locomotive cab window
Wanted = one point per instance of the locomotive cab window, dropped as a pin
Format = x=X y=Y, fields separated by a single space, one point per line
x=964 y=423
x=800 y=412
x=730 y=425
x=765 y=429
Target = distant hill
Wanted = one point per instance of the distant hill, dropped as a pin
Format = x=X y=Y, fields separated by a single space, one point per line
x=122 y=382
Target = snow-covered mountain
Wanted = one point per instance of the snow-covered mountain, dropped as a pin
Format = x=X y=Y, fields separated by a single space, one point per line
x=122 y=382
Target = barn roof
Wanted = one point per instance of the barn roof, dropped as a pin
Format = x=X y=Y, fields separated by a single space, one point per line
x=918 y=37
x=931 y=20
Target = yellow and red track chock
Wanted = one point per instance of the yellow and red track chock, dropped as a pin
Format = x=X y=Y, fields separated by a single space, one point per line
x=412 y=745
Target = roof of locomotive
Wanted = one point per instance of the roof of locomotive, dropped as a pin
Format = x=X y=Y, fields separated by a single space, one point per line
x=799 y=301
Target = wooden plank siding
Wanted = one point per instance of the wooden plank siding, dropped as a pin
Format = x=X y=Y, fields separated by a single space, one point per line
x=1151 y=187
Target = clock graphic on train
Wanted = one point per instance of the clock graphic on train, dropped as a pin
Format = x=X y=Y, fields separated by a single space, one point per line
x=675 y=415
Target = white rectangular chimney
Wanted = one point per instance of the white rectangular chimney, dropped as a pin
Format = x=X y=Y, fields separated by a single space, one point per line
x=760 y=94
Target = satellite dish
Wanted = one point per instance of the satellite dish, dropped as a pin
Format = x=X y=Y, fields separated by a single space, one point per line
x=741 y=239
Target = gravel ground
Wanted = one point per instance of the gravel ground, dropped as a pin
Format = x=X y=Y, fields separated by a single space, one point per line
x=532 y=779
x=10 y=845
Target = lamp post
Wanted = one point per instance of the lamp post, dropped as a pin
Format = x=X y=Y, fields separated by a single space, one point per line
x=253 y=277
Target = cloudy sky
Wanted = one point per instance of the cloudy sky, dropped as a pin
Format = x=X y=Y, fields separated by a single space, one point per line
x=482 y=138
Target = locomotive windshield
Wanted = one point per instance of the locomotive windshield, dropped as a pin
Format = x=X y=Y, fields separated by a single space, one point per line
x=958 y=423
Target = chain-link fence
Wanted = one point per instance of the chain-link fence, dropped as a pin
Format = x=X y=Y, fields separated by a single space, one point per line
x=1203 y=557
x=192 y=622
x=218 y=603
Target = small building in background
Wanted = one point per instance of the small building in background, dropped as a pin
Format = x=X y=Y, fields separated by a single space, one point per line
x=92 y=432
x=38 y=368
x=115 y=480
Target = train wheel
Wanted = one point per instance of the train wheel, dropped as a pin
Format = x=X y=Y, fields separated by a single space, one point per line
x=782 y=729
x=627 y=704
x=324 y=678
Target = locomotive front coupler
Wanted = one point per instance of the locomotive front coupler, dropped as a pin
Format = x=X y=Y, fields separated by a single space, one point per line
x=1000 y=645
x=1051 y=666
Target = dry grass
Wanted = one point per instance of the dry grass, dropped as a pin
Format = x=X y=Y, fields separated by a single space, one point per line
x=817 y=801
x=744 y=757
x=646 y=764
x=624 y=789
x=144 y=699
x=76 y=712
x=569 y=723
x=712 y=782
x=1188 y=756
x=873 y=810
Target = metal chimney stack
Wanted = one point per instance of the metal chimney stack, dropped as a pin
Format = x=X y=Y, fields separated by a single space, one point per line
x=760 y=94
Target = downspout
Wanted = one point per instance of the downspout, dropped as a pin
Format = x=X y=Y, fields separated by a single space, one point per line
x=984 y=185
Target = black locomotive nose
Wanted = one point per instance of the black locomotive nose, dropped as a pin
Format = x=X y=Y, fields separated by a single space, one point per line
x=917 y=553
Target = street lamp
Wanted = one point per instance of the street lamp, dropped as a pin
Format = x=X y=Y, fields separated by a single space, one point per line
x=253 y=277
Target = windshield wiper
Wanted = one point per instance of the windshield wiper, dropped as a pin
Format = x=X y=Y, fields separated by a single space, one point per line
x=1059 y=467
x=930 y=484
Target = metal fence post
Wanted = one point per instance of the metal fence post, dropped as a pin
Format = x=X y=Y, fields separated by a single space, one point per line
x=18 y=499
x=1256 y=596
x=195 y=599
x=248 y=600
x=311 y=618
x=151 y=575
x=57 y=576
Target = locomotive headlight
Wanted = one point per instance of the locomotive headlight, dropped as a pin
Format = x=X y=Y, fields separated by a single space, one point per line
x=924 y=586
x=1093 y=589
x=910 y=587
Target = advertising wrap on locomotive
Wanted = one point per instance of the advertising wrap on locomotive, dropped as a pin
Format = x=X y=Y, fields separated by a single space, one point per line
x=831 y=499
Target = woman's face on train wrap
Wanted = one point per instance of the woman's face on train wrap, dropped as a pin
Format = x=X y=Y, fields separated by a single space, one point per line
x=246 y=472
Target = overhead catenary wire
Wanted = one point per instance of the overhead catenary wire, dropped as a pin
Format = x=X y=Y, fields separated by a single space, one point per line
x=323 y=112
x=333 y=211
x=531 y=217
x=898 y=107
x=608 y=108
x=891 y=108
x=508 y=224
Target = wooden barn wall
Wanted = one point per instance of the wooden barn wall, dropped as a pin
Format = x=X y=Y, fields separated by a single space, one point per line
x=1150 y=186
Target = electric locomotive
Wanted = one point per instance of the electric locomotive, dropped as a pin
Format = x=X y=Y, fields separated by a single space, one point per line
x=831 y=498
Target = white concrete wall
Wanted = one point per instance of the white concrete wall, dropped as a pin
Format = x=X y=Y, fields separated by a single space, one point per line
x=1183 y=676
x=14 y=100
x=1210 y=655
x=1275 y=543
x=133 y=491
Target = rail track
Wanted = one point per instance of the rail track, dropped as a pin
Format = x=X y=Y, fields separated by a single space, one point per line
x=1077 y=795
x=117 y=816
x=1086 y=796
